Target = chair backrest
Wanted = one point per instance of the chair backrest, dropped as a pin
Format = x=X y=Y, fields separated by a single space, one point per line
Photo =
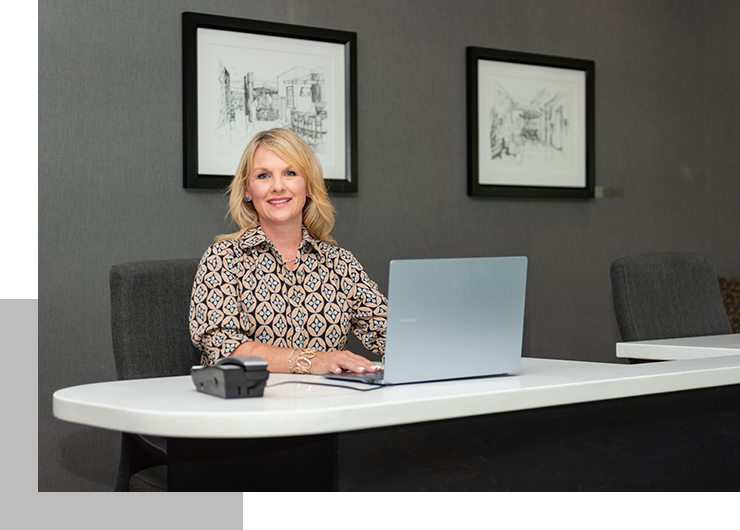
x=667 y=295
x=150 y=301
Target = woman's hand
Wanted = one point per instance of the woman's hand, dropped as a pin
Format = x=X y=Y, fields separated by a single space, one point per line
x=324 y=362
x=334 y=362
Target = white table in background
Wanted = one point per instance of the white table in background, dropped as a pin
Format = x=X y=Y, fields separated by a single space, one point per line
x=682 y=348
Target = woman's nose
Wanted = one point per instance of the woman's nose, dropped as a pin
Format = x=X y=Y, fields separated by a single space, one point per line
x=277 y=183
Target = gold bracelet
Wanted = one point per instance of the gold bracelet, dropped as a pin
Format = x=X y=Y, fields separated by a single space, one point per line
x=303 y=361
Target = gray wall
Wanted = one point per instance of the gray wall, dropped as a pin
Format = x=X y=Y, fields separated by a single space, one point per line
x=110 y=163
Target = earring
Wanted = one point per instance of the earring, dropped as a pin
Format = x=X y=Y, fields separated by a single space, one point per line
x=246 y=198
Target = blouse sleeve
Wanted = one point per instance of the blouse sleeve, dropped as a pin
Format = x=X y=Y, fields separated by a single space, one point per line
x=369 y=308
x=214 y=303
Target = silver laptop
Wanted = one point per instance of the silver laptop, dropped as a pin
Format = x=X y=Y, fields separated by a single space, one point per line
x=452 y=319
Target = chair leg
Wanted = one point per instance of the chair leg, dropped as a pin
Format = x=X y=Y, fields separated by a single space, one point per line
x=133 y=459
x=124 y=463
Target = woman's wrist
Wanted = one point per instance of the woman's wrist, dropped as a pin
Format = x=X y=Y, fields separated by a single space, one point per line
x=290 y=360
x=303 y=362
x=279 y=359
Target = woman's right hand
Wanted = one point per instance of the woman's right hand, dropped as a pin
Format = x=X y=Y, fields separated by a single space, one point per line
x=335 y=362
x=323 y=362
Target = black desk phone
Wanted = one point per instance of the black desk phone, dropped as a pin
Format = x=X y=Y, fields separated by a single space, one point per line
x=232 y=377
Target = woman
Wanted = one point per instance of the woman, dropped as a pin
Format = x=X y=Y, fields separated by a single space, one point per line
x=280 y=288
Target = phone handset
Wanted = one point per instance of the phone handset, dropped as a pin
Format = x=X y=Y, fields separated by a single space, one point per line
x=248 y=363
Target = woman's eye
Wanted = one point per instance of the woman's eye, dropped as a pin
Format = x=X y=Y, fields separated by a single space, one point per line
x=290 y=173
x=263 y=176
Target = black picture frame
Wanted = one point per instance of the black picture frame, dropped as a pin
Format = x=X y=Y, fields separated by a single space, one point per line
x=217 y=126
x=543 y=106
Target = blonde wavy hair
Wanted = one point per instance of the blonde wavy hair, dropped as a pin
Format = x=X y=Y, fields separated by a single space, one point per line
x=318 y=213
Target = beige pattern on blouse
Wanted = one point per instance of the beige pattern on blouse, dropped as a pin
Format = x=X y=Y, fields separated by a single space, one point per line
x=243 y=291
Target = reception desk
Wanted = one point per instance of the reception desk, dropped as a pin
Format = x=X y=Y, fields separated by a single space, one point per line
x=556 y=425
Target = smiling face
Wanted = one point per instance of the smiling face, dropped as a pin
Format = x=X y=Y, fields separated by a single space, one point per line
x=277 y=191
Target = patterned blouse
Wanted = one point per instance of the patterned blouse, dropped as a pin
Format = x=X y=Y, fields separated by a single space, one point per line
x=243 y=291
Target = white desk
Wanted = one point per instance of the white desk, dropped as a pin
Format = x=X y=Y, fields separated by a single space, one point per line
x=439 y=430
x=683 y=348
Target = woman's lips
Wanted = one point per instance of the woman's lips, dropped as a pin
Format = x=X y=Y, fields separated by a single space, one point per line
x=279 y=202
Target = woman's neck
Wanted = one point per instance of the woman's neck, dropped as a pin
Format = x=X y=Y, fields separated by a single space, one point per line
x=286 y=239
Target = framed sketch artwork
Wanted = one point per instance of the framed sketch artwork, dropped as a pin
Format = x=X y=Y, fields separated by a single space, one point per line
x=243 y=76
x=530 y=125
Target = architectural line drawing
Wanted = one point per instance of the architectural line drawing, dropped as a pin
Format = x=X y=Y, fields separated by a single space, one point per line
x=530 y=130
x=294 y=100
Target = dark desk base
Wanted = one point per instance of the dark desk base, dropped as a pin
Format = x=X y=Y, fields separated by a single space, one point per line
x=300 y=463
x=681 y=441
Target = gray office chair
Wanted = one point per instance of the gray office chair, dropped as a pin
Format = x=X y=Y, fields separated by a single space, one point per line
x=149 y=320
x=667 y=295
